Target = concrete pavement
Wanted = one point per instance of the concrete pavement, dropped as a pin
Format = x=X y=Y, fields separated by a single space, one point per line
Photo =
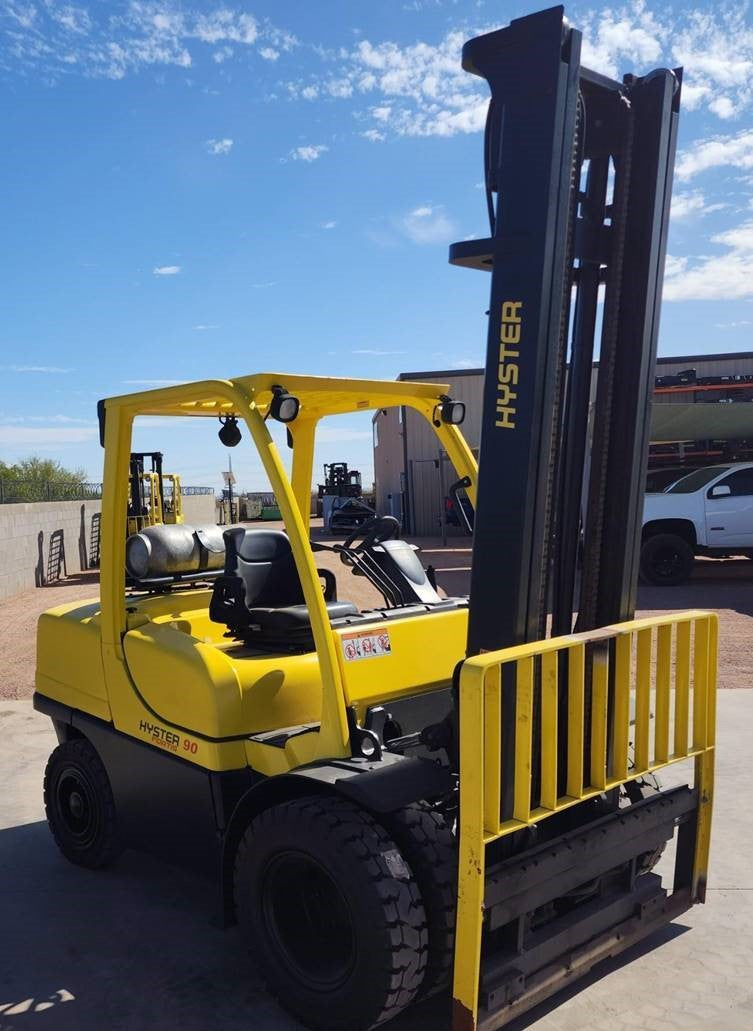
x=133 y=948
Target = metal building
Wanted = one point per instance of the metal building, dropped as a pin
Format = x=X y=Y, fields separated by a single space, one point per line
x=412 y=477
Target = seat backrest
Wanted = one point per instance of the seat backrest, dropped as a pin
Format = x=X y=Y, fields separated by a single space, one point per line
x=263 y=559
x=399 y=561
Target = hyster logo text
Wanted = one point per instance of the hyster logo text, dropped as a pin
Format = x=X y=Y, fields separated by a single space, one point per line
x=160 y=735
x=507 y=376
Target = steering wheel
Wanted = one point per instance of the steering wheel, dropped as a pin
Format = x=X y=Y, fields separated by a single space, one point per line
x=373 y=531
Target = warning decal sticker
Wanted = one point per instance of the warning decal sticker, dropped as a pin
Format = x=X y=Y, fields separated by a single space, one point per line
x=366 y=645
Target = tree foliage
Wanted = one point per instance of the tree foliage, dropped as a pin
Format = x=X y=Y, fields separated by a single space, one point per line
x=40 y=479
x=45 y=470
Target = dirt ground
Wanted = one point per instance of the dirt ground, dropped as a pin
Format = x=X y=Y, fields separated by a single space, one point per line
x=723 y=585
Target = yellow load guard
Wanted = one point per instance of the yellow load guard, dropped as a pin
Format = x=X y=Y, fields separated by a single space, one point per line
x=636 y=658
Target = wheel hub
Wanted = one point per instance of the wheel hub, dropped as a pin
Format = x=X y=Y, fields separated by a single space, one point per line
x=77 y=807
x=308 y=920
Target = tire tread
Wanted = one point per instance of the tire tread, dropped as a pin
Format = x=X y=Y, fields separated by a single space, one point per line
x=403 y=964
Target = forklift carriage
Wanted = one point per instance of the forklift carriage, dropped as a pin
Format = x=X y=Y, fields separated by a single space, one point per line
x=439 y=790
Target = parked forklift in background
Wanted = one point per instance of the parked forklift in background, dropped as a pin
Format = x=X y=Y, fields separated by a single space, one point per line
x=154 y=496
x=343 y=507
x=438 y=791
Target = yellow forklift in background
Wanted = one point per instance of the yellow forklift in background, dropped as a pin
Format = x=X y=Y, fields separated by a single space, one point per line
x=154 y=496
x=437 y=791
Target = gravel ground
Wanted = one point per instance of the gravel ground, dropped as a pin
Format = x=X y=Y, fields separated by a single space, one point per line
x=725 y=586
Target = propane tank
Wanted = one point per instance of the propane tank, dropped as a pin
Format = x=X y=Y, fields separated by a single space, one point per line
x=173 y=550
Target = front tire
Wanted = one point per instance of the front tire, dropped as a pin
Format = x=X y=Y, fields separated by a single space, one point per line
x=332 y=913
x=427 y=842
x=79 y=804
x=666 y=560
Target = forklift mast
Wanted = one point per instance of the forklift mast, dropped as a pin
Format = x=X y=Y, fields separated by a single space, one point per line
x=340 y=481
x=136 y=504
x=578 y=173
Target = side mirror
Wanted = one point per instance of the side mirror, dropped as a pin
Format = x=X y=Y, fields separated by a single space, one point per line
x=721 y=490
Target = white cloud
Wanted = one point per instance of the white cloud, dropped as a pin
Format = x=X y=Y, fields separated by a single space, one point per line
x=691 y=204
x=612 y=38
x=53 y=369
x=167 y=270
x=205 y=326
x=420 y=89
x=684 y=205
x=328 y=225
x=309 y=152
x=722 y=107
x=225 y=25
x=117 y=39
x=152 y=382
x=340 y=434
x=264 y=286
x=426 y=225
x=375 y=352
x=36 y=436
x=223 y=146
x=23 y=14
x=46 y=419
x=716 y=152
x=74 y=19
x=732 y=325
x=724 y=277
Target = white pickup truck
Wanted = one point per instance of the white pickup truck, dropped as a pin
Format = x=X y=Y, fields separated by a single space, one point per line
x=706 y=512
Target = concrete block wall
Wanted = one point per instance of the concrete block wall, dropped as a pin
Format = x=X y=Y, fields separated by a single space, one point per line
x=44 y=541
x=41 y=541
x=198 y=510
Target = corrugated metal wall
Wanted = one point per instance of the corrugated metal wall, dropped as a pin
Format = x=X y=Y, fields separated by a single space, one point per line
x=423 y=452
x=388 y=460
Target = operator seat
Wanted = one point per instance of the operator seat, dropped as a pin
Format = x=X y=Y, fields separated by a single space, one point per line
x=260 y=598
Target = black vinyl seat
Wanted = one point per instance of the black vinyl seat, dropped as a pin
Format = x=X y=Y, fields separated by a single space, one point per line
x=259 y=597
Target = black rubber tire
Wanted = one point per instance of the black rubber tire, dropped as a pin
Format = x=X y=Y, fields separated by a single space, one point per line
x=427 y=842
x=364 y=881
x=85 y=832
x=666 y=560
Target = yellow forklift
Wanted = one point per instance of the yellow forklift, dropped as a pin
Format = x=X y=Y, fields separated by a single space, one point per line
x=154 y=496
x=437 y=791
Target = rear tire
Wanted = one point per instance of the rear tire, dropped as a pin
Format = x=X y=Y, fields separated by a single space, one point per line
x=331 y=912
x=80 y=807
x=666 y=560
x=425 y=839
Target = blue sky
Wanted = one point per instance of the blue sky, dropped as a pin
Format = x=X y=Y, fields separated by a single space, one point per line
x=217 y=189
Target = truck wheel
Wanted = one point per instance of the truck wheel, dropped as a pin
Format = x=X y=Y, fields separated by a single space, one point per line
x=666 y=560
x=79 y=805
x=331 y=912
x=425 y=839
